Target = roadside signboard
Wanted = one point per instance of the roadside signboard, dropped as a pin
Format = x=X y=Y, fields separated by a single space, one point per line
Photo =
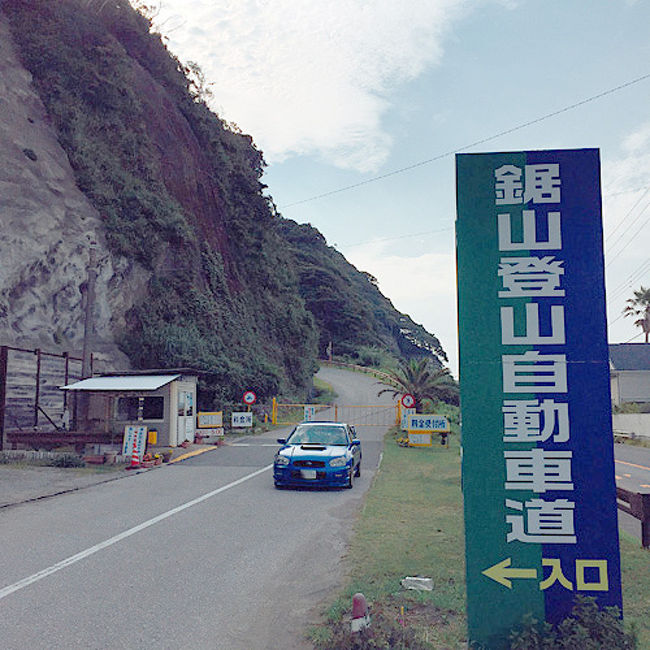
x=310 y=412
x=427 y=422
x=138 y=433
x=241 y=419
x=420 y=426
x=420 y=439
x=405 y=418
x=538 y=467
x=249 y=398
x=209 y=419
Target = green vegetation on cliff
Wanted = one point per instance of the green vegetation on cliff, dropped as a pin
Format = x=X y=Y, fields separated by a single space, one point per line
x=180 y=193
x=349 y=309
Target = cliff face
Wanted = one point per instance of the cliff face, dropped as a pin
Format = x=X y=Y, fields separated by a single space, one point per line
x=104 y=138
x=47 y=227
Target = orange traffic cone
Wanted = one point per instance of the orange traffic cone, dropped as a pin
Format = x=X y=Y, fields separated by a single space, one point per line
x=135 y=459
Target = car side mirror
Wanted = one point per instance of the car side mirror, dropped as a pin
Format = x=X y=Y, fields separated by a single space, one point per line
x=356 y=442
x=282 y=441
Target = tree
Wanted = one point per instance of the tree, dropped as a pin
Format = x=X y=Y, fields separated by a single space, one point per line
x=419 y=378
x=640 y=306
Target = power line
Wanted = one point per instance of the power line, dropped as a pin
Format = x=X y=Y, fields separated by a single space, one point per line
x=627 y=283
x=469 y=146
x=629 y=212
x=636 y=336
x=384 y=239
x=633 y=238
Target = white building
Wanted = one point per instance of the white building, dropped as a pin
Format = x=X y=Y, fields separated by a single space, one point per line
x=163 y=401
x=630 y=372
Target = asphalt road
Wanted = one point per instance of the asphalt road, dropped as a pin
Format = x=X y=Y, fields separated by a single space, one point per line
x=202 y=554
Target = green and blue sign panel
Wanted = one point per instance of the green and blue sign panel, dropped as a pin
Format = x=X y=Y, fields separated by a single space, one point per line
x=538 y=466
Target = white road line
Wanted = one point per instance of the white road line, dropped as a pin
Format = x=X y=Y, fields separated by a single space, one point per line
x=25 y=582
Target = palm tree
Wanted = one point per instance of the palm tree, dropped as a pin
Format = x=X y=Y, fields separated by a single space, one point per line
x=421 y=380
x=640 y=306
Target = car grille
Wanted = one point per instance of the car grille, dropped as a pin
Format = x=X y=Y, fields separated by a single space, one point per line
x=309 y=463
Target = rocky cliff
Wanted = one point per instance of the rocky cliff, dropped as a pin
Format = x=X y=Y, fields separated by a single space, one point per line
x=105 y=138
x=48 y=225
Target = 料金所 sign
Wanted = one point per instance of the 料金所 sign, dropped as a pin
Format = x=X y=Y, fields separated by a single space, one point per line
x=538 y=468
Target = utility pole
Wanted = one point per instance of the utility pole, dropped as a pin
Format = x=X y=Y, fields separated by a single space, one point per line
x=89 y=323
x=89 y=328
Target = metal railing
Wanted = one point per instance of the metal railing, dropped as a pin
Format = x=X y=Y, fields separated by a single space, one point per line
x=636 y=504
x=357 y=414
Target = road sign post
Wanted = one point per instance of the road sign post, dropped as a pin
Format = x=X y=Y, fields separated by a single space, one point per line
x=538 y=468
x=249 y=398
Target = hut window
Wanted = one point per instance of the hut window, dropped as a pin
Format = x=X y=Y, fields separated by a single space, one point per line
x=153 y=408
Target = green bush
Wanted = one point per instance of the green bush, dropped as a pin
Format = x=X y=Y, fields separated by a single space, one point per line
x=586 y=628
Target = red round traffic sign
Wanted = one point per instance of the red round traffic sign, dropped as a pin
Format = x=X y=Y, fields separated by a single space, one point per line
x=249 y=397
x=408 y=401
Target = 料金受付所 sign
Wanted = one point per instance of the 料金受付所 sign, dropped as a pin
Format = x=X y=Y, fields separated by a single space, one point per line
x=538 y=467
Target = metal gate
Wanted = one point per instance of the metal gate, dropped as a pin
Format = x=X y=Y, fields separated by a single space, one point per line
x=369 y=415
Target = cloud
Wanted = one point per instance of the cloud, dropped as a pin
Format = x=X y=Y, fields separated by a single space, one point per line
x=422 y=284
x=310 y=78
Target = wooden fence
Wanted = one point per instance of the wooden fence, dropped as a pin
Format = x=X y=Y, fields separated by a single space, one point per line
x=636 y=504
x=31 y=401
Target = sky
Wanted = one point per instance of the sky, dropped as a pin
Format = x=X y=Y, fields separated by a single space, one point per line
x=360 y=105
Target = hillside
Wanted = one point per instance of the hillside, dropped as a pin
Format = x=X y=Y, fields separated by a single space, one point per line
x=350 y=311
x=106 y=138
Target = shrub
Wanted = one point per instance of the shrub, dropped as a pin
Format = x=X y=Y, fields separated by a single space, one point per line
x=586 y=628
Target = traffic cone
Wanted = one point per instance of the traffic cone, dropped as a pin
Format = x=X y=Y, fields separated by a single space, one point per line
x=135 y=459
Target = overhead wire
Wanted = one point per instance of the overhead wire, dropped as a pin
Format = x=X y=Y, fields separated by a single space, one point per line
x=628 y=213
x=473 y=144
x=632 y=238
x=396 y=237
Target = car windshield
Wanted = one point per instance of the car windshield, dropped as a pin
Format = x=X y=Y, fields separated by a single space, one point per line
x=324 y=435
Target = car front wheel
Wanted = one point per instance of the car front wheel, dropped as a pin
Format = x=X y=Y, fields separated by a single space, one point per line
x=350 y=483
x=358 y=471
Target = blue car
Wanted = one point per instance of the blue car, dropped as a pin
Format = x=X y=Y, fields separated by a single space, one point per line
x=322 y=454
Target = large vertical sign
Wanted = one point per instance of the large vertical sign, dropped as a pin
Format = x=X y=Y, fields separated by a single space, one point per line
x=538 y=467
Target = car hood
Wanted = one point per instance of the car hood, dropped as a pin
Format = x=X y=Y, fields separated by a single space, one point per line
x=313 y=451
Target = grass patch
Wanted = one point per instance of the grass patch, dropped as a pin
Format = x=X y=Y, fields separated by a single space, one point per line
x=324 y=392
x=635 y=569
x=412 y=525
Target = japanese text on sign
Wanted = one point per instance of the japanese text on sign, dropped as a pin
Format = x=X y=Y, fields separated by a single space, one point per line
x=534 y=422
x=242 y=419
x=419 y=422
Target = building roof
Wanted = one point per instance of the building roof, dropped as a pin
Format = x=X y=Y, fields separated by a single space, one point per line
x=630 y=356
x=122 y=383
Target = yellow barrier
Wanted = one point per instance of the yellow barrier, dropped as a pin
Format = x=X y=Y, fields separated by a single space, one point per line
x=356 y=414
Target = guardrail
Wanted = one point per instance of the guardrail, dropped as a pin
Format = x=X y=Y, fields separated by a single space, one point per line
x=636 y=504
x=352 y=366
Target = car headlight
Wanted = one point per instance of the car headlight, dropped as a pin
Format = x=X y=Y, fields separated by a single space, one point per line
x=339 y=461
x=281 y=461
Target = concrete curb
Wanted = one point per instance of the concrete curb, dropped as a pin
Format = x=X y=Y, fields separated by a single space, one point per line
x=189 y=454
x=48 y=492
